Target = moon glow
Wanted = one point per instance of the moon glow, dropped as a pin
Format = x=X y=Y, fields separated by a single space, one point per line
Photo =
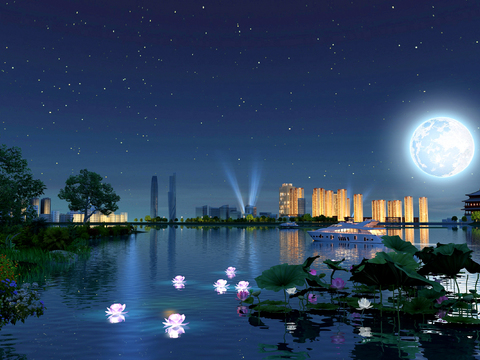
x=442 y=147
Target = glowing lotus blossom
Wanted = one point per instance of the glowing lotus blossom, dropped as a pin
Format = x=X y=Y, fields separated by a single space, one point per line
x=312 y=298
x=115 y=313
x=175 y=320
x=179 y=286
x=116 y=309
x=365 y=331
x=291 y=291
x=243 y=295
x=174 y=325
x=313 y=271
x=221 y=286
x=242 y=285
x=179 y=279
x=441 y=299
x=338 y=284
x=230 y=272
x=364 y=304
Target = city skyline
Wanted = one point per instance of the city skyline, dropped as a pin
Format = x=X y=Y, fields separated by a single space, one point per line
x=239 y=98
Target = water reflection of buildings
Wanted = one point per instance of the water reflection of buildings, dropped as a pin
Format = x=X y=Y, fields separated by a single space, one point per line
x=410 y=234
x=292 y=246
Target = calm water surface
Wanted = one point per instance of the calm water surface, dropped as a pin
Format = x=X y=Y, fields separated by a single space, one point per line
x=137 y=271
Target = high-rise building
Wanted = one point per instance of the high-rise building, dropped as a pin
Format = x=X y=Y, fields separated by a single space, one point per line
x=284 y=200
x=295 y=195
x=341 y=204
x=201 y=211
x=301 y=207
x=378 y=210
x=214 y=212
x=251 y=210
x=394 y=210
x=318 y=202
x=224 y=212
x=347 y=207
x=358 y=207
x=154 y=198
x=329 y=204
x=423 y=209
x=46 y=206
x=172 y=197
x=408 y=204
x=35 y=202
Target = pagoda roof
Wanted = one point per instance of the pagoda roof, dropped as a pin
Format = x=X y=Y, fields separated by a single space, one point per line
x=477 y=193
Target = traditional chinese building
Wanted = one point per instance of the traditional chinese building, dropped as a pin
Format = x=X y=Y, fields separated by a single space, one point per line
x=472 y=203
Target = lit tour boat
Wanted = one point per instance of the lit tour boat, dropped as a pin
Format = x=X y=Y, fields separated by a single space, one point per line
x=349 y=232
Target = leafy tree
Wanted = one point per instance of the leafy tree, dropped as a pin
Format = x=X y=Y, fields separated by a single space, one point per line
x=148 y=218
x=476 y=216
x=17 y=187
x=464 y=218
x=249 y=217
x=89 y=193
x=135 y=219
x=141 y=219
x=454 y=218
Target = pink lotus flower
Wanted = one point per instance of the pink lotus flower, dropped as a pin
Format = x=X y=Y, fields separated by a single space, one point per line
x=441 y=299
x=230 y=270
x=312 y=298
x=116 y=309
x=242 y=285
x=179 y=286
x=114 y=319
x=175 y=320
x=175 y=332
x=179 y=279
x=313 y=271
x=338 y=284
x=243 y=295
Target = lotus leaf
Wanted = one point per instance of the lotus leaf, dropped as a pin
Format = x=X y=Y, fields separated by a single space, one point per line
x=334 y=265
x=383 y=271
x=396 y=243
x=419 y=305
x=461 y=320
x=309 y=261
x=282 y=276
x=446 y=260
x=431 y=294
x=472 y=266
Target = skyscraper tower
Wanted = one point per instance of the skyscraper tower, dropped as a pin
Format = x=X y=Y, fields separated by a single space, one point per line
x=408 y=202
x=318 y=202
x=423 y=207
x=284 y=200
x=358 y=207
x=172 y=198
x=154 y=198
x=46 y=205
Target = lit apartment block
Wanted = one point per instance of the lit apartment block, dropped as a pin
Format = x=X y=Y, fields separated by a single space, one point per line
x=358 y=207
x=394 y=210
x=295 y=195
x=284 y=200
x=329 y=204
x=318 y=202
x=341 y=204
x=408 y=203
x=423 y=209
x=378 y=210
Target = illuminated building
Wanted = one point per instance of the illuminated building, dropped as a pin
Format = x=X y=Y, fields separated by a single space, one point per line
x=358 y=207
x=341 y=204
x=100 y=218
x=284 y=200
x=408 y=201
x=347 y=207
x=394 y=210
x=154 y=198
x=472 y=204
x=46 y=206
x=295 y=195
x=329 y=204
x=318 y=202
x=35 y=202
x=423 y=209
x=378 y=210
x=172 y=197
x=251 y=210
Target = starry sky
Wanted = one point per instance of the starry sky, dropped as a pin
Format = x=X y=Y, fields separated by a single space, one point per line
x=259 y=93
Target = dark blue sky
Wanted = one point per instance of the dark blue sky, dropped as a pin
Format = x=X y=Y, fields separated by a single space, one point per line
x=316 y=93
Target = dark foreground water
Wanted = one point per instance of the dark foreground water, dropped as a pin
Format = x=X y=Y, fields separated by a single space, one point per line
x=137 y=271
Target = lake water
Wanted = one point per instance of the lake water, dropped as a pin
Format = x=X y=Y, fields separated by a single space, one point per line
x=137 y=271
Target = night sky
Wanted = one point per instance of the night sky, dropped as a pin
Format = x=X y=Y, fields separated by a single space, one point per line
x=315 y=93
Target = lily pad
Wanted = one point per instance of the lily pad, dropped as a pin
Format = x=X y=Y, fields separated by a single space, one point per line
x=445 y=260
x=335 y=265
x=419 y=305
x=396 y=243
x=282 y=276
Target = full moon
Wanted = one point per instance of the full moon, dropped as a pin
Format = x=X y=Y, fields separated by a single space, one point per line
x=442 y=147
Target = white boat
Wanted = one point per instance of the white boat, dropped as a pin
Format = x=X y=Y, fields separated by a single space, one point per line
x=349 y=232
x=289 y=225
